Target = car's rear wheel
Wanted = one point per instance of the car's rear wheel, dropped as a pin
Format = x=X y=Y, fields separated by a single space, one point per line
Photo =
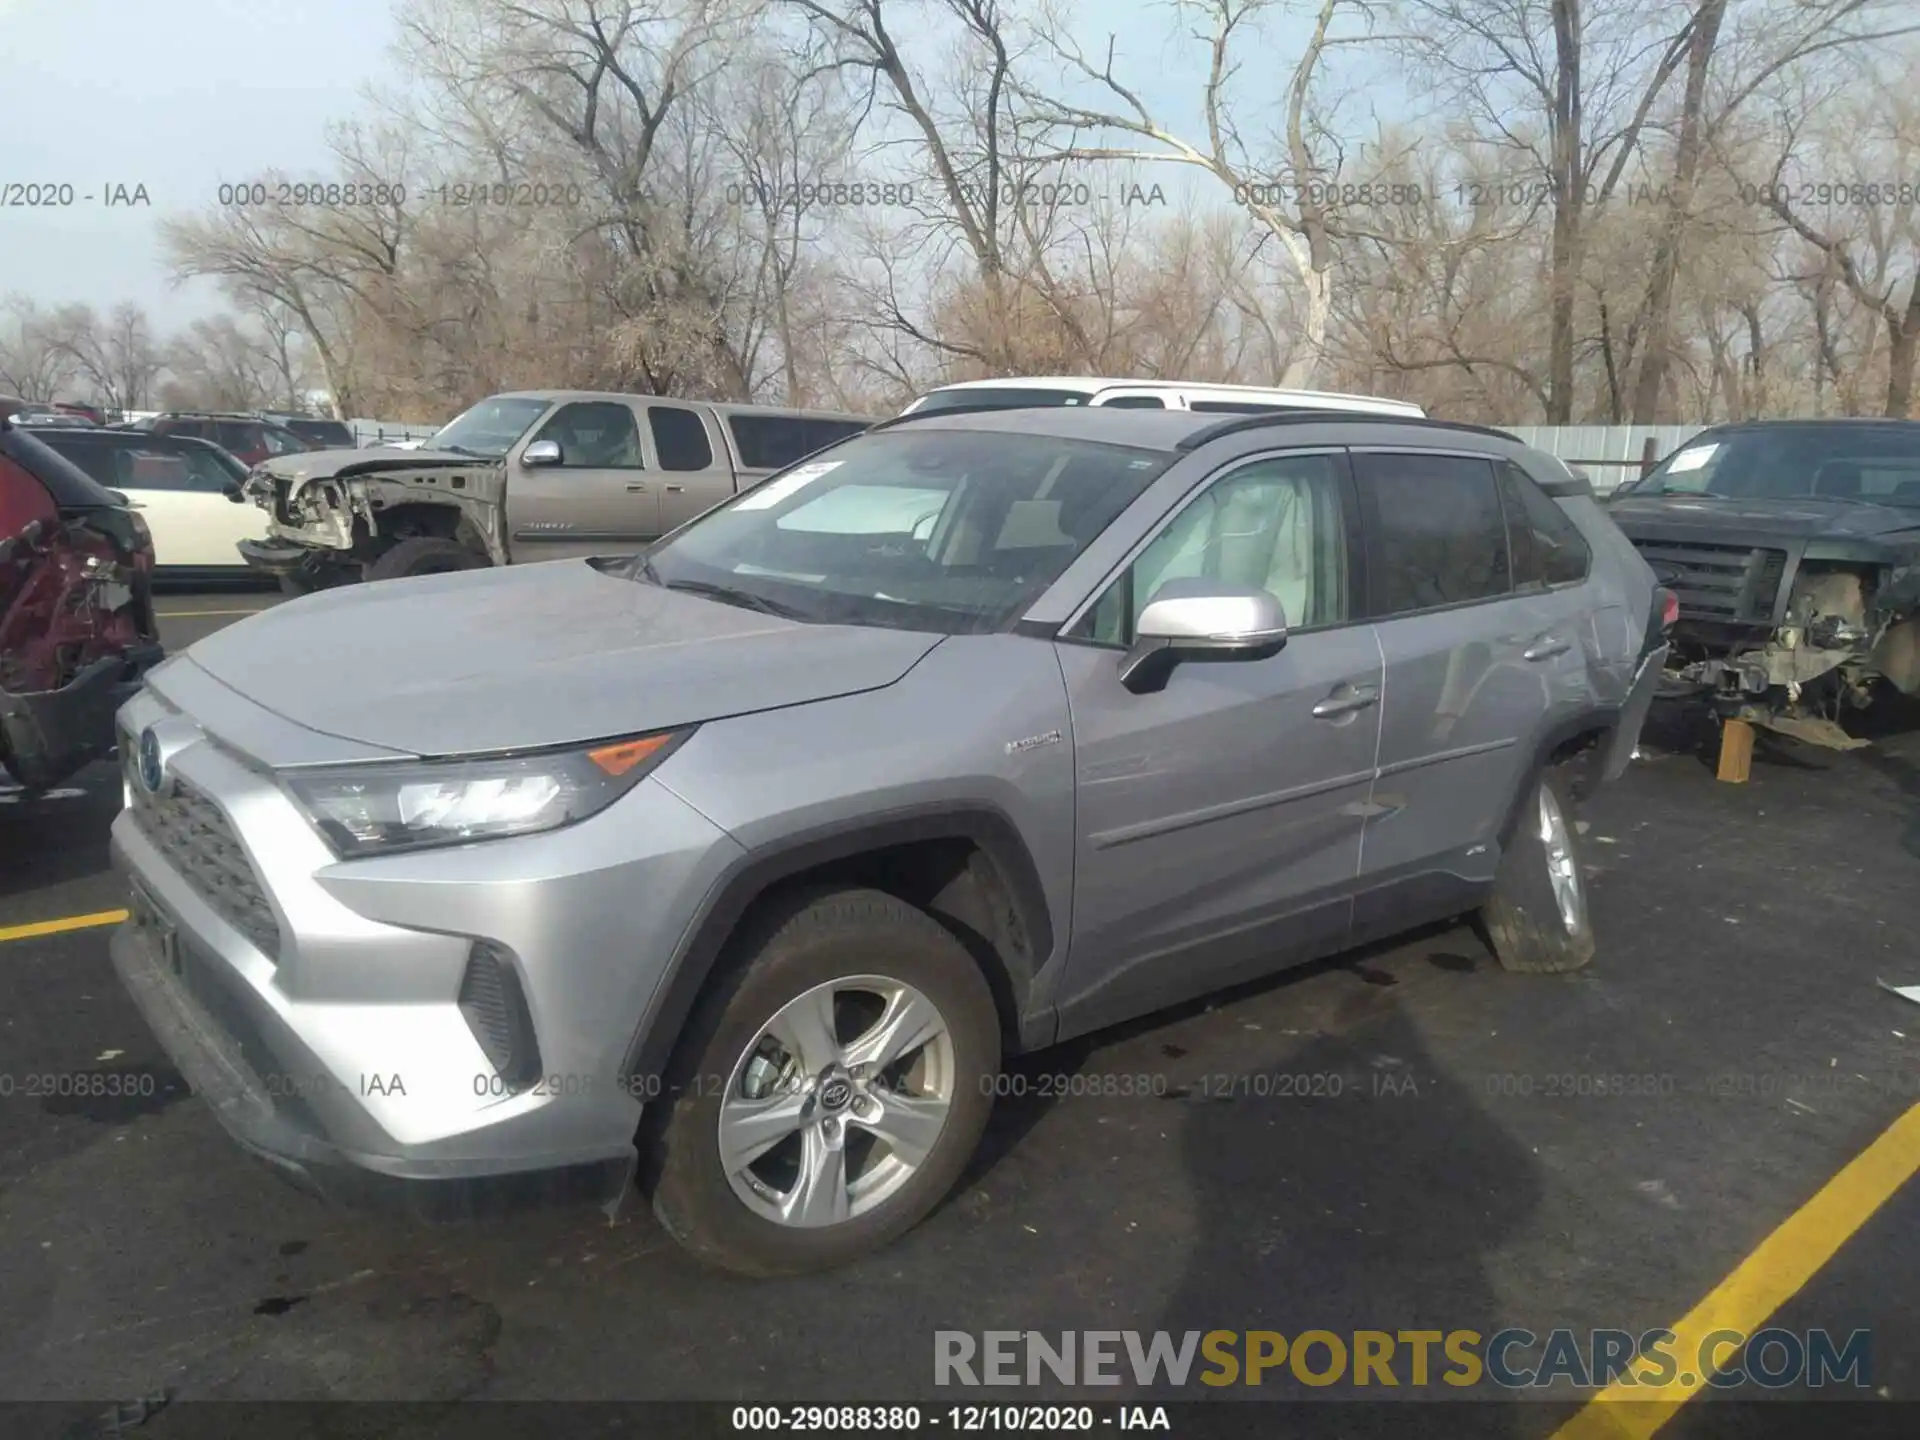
x=829 y=1090
x=1537 y=919
x=424 y=555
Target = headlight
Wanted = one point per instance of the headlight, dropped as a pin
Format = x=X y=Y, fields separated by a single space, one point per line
x=374 y=809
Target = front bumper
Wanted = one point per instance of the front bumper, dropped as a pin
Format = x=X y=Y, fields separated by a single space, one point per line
x=322 y=1008
x=285 y=559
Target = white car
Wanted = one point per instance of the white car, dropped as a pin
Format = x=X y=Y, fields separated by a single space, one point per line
x=182 y=488
x=1030 y=391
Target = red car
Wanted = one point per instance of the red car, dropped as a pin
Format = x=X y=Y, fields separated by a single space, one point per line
x=77 y=628
x=245 y=437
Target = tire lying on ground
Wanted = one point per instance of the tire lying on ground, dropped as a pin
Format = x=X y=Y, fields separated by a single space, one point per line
x=1537 y=920
x=424 y=555
x=838 y=1020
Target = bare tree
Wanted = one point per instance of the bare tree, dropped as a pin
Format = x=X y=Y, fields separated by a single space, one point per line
x=221 y=364
x=1285 y=193
x=32 y=365
x=116 y=356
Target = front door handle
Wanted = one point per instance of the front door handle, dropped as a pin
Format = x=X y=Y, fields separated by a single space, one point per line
x=1546 y=647
x=635 y=489
x=1345 y=700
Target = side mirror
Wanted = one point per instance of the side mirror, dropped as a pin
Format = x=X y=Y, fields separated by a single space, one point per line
x=1198 y=619
x=231 y=489
x=121 y=498
x=541 y=452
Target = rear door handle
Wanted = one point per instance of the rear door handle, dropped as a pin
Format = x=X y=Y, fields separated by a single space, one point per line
x=1546 y=647
x=1345 y=700
x=676 y=489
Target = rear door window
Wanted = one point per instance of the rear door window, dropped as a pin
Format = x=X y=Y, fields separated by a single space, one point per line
x=1436 y=534
x=679 y=438
x=234 y=437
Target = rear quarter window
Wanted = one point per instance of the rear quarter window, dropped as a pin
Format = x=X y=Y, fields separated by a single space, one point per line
x=772 y=442
x=1548 y=548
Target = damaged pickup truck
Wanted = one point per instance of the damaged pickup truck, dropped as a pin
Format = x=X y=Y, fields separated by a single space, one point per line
x=533 y=475
x=1794 y=549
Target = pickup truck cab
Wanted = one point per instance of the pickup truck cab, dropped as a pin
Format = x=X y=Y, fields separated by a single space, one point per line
x=527 y=476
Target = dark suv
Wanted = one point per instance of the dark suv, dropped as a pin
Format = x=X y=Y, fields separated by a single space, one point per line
x=1794 y=547
x=247 y=438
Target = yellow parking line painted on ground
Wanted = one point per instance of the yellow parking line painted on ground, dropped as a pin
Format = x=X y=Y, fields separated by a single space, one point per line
x=204 y=614
x=62 y=925
x=1784 y=1262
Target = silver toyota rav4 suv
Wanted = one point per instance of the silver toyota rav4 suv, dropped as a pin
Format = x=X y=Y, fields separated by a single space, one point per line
x=732 y=871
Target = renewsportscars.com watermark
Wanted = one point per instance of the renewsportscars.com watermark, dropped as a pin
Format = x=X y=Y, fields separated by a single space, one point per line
x=1513 y=1359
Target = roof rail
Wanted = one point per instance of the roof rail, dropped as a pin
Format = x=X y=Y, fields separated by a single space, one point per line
x=1306 y=415
x=965 y=410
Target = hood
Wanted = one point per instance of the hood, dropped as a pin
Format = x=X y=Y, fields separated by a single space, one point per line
x=330 y=464
x=534 y=655
x=1803 y=518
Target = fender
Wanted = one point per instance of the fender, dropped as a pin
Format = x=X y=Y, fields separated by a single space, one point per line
x=754 y=874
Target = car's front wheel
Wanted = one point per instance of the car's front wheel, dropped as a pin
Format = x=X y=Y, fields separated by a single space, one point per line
x=1537 y=918
x=829 y=1090
x=423 y=555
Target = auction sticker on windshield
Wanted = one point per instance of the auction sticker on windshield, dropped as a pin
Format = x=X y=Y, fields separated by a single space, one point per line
x=774 y=491
x=1693 y=458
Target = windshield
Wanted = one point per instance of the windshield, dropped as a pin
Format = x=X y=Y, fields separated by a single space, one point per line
x=994 y=397
x=1875 y=463
x=491 y=427
x=956 y=531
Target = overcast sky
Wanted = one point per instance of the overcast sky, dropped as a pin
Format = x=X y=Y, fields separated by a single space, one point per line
x=175 y=96
x=180 y=95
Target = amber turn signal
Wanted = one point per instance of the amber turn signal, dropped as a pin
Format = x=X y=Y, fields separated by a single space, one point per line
x=619 y=759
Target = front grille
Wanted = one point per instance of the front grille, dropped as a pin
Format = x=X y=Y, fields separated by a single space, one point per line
x=197 y=839
x=496 y=1012
x=1737 y=583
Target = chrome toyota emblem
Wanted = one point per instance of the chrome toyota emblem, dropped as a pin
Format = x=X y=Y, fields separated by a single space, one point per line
x=835 y=1094
x=153 y=771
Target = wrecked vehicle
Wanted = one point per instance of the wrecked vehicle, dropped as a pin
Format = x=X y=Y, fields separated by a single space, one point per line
x=77 y=628
x=1794 y=549
x=534 y=475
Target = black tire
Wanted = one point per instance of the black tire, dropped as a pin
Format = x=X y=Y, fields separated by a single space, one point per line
x=302 y=582
x=424 y=555
x=789 y=948
x=1523 y=921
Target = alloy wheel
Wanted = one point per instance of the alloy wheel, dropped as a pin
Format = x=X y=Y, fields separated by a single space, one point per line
x=1563 y=870
x=837 y=1102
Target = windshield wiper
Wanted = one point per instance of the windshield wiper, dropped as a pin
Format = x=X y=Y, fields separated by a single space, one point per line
x=727 y=595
